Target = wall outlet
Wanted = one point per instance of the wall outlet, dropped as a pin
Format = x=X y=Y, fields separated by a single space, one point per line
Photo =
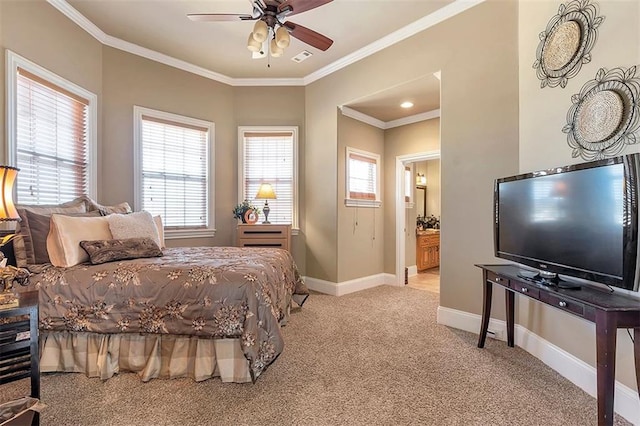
x=494 y=334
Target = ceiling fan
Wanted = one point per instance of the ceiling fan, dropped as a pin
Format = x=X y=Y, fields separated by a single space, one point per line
x=270 y=18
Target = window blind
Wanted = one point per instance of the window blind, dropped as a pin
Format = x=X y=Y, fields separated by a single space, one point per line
x=51 y=141
x=269 y=158
x=174 y=172
x=362 y=177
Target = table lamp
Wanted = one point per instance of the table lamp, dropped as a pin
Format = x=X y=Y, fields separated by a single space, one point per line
x=8 y=213
x=266 y=192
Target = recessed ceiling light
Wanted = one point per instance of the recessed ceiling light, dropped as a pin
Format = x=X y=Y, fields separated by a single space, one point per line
x=406 y=104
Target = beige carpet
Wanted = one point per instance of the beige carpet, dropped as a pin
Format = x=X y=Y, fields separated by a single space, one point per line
x=371 y=358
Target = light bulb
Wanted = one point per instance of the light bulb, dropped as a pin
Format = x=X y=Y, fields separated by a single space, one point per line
x=260 y=31
x=252 y=44
x=282 y=38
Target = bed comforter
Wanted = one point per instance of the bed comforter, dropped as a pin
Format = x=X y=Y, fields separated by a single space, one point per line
x=212 y=292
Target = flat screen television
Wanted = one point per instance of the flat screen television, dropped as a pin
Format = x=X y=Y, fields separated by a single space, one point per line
x=578 y=221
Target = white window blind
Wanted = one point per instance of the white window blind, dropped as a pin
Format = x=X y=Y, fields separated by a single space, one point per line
x=362 y=177
x=174 y=172
x=269 y=157
x=51 y=141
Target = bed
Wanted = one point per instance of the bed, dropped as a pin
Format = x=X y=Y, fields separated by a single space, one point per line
x=196 y=312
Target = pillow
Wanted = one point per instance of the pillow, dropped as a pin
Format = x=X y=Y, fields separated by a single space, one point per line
x=133 y=225
x=101 y=251
x=122 y=208
x=35 y=229
x=160 y=227
x=22 y=245
x=63 y=241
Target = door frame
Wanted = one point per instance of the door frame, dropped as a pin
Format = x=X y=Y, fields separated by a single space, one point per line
x=401 y=162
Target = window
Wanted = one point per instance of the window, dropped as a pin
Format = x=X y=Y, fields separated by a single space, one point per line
x=52 y=134
x=172 y=171
x=270 y=155
x=362 y=179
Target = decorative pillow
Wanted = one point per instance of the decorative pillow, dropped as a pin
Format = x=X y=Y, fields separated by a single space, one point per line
x=160 y=227
x=63 y=241
x=35 y=229
x=133 y=225
x=122 y=208
x=102 y=251
x=22 y=243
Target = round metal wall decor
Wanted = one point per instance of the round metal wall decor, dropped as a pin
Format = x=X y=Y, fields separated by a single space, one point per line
x=605 y=115
x=567 y=42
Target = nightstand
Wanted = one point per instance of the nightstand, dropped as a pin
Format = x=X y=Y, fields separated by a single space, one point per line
x=19 y=357
x=275 y=236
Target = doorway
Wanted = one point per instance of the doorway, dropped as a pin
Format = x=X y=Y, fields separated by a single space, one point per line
x=405 y=225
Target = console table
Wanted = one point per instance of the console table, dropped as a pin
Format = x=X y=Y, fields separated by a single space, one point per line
x=609 y=311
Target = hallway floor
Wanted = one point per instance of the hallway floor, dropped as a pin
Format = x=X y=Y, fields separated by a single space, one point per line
x=428 y=280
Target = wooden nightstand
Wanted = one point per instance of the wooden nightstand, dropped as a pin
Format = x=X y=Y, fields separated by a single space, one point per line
x=19 y=357
x=275 y=236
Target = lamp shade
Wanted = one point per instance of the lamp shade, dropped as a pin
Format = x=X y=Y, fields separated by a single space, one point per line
x=253 y=45
x=282 y=38
x=276 y=51
x=260 y=31
x=266 y=192
x=7 y=207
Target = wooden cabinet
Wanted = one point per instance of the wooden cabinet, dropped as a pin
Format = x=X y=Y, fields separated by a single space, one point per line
x=275 y=236
x=427 y=251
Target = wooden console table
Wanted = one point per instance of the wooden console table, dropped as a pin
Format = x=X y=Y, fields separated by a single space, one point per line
x=609 y=311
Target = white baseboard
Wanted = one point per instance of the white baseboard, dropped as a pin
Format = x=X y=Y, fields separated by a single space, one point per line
x=413 y=271
x=577 y=371
x=351 y=286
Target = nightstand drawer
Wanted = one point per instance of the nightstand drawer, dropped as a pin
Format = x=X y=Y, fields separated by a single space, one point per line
x=274 y=236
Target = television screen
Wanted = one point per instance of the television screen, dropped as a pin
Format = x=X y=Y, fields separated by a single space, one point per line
x=578 y=220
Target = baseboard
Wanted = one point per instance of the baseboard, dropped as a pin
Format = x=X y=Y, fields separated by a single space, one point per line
x=575 y=370
x=351 y=286
x=413 y=270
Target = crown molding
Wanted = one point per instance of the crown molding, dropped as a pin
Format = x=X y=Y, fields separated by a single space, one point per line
x=357 y=115
x=458 y=6
x=413 y=119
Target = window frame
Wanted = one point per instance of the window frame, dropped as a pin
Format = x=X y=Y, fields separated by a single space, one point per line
x=295 y=228
x=357 y=202
x=138 y=112
x=15 y=61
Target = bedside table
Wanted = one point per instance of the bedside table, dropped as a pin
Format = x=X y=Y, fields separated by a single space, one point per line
x=275 y=236
x=19 y=356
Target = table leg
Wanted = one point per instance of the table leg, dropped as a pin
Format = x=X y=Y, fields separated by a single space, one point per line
x=510 y=304
x=606 y=332
x=486 y=311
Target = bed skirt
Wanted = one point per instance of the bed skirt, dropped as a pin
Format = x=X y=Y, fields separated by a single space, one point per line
x=149 y=355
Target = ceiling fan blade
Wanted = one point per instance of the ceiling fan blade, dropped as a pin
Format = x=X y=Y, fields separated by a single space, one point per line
x=308 y=36
x=299 y=6
x=208 y=17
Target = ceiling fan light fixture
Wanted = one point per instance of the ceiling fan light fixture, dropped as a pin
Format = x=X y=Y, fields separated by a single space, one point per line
x=282 y=38
x=252 y=44
x=260 y=31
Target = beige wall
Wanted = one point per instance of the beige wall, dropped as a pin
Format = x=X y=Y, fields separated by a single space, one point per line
x=360 y=230
x=543 y=145
x=433 y=187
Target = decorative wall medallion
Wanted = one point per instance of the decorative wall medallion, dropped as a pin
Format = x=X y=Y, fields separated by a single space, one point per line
x=567 y=42
x=605 y=115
